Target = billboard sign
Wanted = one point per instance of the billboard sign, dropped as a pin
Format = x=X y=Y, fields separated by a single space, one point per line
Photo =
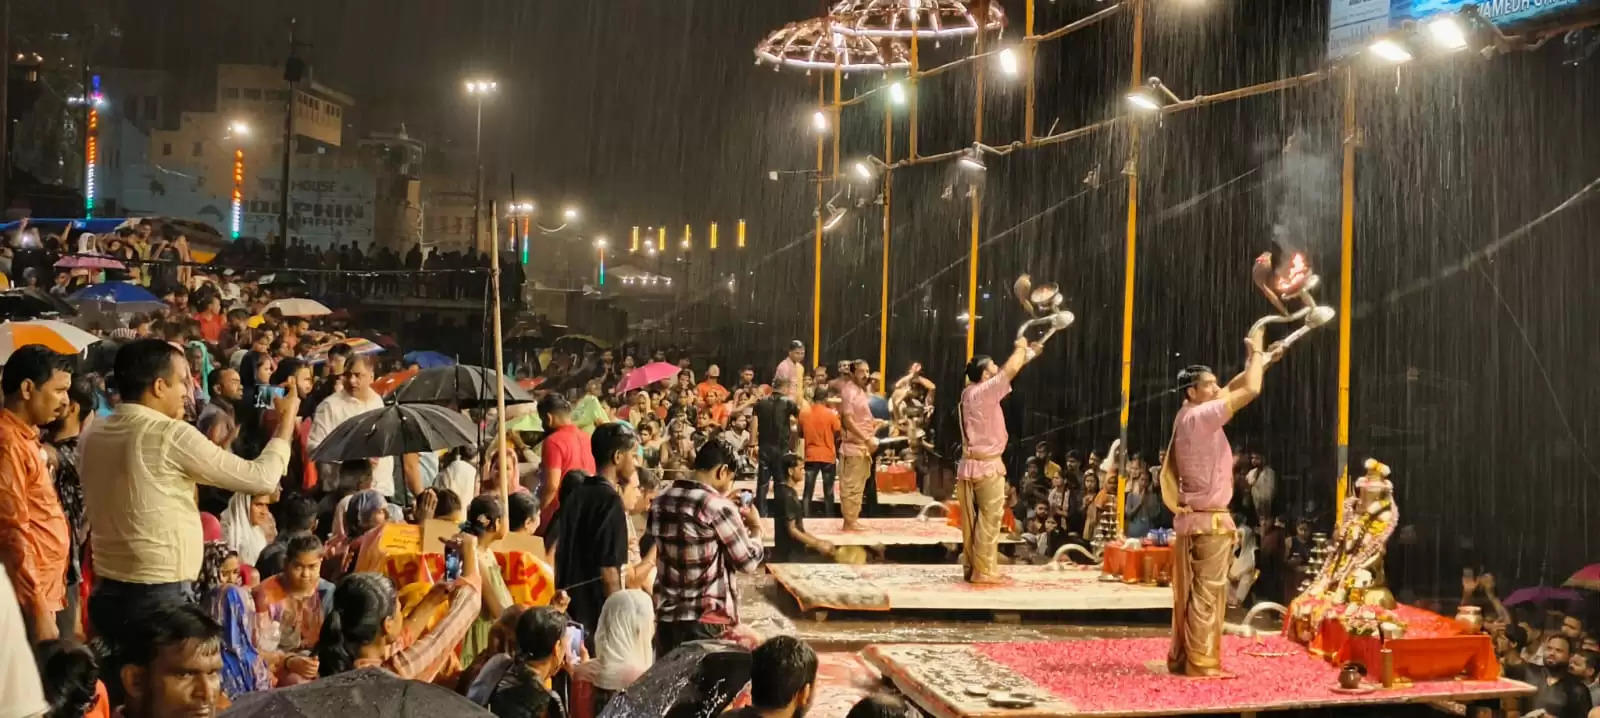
x=327 y=206
x=1352 y=24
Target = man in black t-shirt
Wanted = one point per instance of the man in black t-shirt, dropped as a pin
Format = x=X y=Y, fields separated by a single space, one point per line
x=1560 y=694
x=591 y=530
x=773 y=438
x=789 y=536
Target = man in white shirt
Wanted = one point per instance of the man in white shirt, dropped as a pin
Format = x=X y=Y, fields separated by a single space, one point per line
x=139 y=468
x=19 y=679
x=355 y=397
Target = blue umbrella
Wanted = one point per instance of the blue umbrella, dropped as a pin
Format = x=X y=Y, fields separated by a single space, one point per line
x=428 y=359
x=115 y=292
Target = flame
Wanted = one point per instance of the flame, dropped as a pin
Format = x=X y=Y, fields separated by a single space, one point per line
x=1294 y=276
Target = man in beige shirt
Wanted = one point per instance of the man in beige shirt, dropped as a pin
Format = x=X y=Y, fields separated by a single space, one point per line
x=139 y=469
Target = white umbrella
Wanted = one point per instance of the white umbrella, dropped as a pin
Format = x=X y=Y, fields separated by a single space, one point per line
x=300 y=307
x=58 y=336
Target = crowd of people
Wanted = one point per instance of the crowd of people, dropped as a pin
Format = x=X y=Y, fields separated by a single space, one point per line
x=170 y=544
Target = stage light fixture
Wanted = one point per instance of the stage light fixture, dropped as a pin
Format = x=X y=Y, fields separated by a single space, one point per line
x=1010 y=64
x=1448 y=33
x=1390 y=50
x=1152 y=97
x=972 y=159
x=897 y=93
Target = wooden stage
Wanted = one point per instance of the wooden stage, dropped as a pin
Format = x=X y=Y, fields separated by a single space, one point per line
x=908 y=500
x=842 y=679
x=881 y=532
x=1128 y=677
x=899 y=587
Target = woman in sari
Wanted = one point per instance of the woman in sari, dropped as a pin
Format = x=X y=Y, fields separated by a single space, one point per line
x=487 y=521
x=622 y=652
x=364 y=513
x=367 y=629
x=218 y=592
x=290 y=609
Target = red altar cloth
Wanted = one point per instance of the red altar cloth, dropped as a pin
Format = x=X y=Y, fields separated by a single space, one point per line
x=1433 y=648
x=897 y=480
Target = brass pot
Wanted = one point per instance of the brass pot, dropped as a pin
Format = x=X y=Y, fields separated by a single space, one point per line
x=1469 y=619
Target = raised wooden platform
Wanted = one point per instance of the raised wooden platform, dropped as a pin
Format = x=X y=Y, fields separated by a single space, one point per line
x=909 y=500
x=1128 y=677
x=898 y=587
x=880 y=532
x=842 y=679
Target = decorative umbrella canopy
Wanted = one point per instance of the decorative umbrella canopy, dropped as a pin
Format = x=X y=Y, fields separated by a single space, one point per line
x=30 y=303
x=396 y=429
x=371 y=693
x=463 y=385
x=820 y=44
x=58 y=336
x=904 y=18
x=300 y=307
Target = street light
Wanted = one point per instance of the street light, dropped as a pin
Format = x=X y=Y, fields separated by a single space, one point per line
x=479 y=89
x=897 y=93
x=600 y=248
x=1152 y=97
x=819 y=121
x=570 y=214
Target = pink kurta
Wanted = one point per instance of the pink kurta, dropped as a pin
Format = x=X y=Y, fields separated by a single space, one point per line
x=983 y=427
x=856 y=407
x=1204 y=463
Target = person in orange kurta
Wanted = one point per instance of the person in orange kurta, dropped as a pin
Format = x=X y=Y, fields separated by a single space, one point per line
x=35 y=541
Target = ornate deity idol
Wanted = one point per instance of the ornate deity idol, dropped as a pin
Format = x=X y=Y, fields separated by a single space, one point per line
x=1350 y=583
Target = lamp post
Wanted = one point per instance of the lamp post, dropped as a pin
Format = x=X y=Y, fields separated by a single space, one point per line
x=238 y=131
x=479 y=90
x=600 y=252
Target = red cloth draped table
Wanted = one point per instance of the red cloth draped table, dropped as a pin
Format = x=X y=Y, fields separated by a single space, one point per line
x=1433 y=648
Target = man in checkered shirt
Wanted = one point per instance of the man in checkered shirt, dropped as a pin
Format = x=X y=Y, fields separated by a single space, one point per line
x=702 y=537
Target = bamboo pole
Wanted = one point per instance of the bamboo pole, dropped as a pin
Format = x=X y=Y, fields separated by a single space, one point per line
x=816 y=269
x=1032 y=92
x=1347 y=231
x=974 y=192
x=503 y=469
x=888 y=204
x=1128 y=269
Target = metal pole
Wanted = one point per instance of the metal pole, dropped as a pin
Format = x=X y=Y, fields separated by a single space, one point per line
x=1128 y=261
x=502 y=468
x=888 y=203
x=5 y=145
x=1347 y=231
x=477 y=199
x=816 y=268
x=973 y=191
x=288 y=152
x=911 y=79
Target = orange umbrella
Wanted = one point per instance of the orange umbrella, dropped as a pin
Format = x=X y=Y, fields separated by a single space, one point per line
x=57 y=336
x=389 y=382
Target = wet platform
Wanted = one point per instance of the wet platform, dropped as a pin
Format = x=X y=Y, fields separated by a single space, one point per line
x=899 y=588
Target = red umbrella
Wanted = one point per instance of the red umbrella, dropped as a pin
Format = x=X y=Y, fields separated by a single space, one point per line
x=1587 y=577
x=646 y=375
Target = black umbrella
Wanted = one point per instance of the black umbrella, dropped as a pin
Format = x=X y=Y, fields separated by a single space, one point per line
x=280 y=280
x=30 y=303
x=367 y=693
x=463 y=385
x=698 y=678
x=396 y=429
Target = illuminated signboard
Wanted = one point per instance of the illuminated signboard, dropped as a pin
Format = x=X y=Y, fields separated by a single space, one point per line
x=1352 y=24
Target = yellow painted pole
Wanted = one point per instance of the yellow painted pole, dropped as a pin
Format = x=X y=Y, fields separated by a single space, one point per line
x=816 y=270
x=1347 y=233
x=911 y=79
x=838 y=117
x=1032 y=92
x=1128 y=262
x=977 y=200
x=883 y=296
